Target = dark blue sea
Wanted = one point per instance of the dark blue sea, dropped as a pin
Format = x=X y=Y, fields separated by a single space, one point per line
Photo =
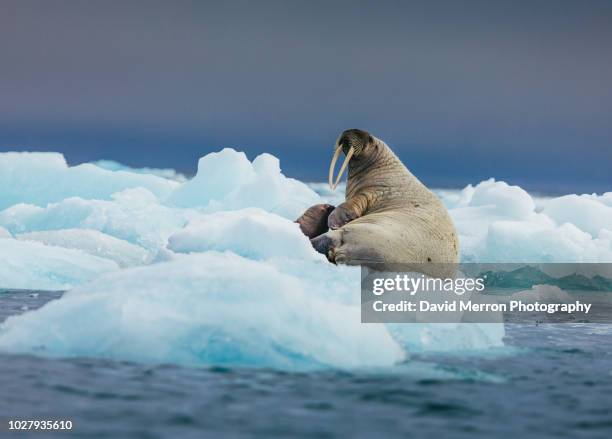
x=551 y=380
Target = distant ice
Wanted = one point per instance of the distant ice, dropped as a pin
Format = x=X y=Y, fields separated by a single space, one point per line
x=501 y=223
x=40 y=178
x=170 y=174
x=327 y=195
x=542 y=293
x=589 y=213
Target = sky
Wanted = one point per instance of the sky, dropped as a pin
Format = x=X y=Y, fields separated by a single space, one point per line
x=461 y=91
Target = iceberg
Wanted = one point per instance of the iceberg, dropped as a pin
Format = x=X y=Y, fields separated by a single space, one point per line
x=211 y=308
x=224 y=309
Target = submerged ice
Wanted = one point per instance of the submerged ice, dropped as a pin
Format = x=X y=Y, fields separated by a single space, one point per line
x=213 y=270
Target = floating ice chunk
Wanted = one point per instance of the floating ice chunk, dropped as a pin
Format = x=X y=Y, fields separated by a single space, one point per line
x=219 y=174
x=450 y=197
x=472 y=224
x=448 y=337
x=170 y=174
x=605 y=198
x=43 y=178
x=523 y=241
x=92 y=242
x=32 y=265
x=542 y=293
x=586 y=212
x=253 y=233
x=509 y=201
x=207 y=308
x=5 y=233
x=508 y=229
x=476 y=208
x=134 y=215
x=327 y=195
x=605 y=234
x=226 y=180
x=500 y=223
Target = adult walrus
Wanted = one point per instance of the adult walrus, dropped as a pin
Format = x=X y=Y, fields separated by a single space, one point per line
x=389 y=217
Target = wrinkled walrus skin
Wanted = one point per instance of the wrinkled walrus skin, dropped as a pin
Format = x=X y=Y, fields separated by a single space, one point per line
x=389 y=217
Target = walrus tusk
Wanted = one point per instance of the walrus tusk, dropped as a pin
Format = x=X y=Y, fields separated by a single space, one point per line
x=333 y=185
x=332 y=166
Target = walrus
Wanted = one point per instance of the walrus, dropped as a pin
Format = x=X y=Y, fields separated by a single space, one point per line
x=388 y=218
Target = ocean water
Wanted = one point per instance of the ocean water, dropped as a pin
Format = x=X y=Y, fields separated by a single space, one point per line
x=547 y=381
x=187 y=276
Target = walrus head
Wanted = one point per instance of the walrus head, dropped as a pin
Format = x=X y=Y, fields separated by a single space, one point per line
x=352 y=142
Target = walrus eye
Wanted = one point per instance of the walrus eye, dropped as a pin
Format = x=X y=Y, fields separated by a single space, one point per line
x=333 y=184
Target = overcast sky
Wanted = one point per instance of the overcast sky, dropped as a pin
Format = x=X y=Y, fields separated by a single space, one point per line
x=517 y=90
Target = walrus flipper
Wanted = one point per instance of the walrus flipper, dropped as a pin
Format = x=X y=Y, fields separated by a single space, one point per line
x=340 y=216
x=314 y=221
x=348 y=211
x=326 y=243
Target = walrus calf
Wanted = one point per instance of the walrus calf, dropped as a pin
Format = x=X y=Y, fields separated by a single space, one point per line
x=389 y=217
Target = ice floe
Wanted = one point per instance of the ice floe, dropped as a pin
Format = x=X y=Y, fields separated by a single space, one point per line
x=213 y=270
